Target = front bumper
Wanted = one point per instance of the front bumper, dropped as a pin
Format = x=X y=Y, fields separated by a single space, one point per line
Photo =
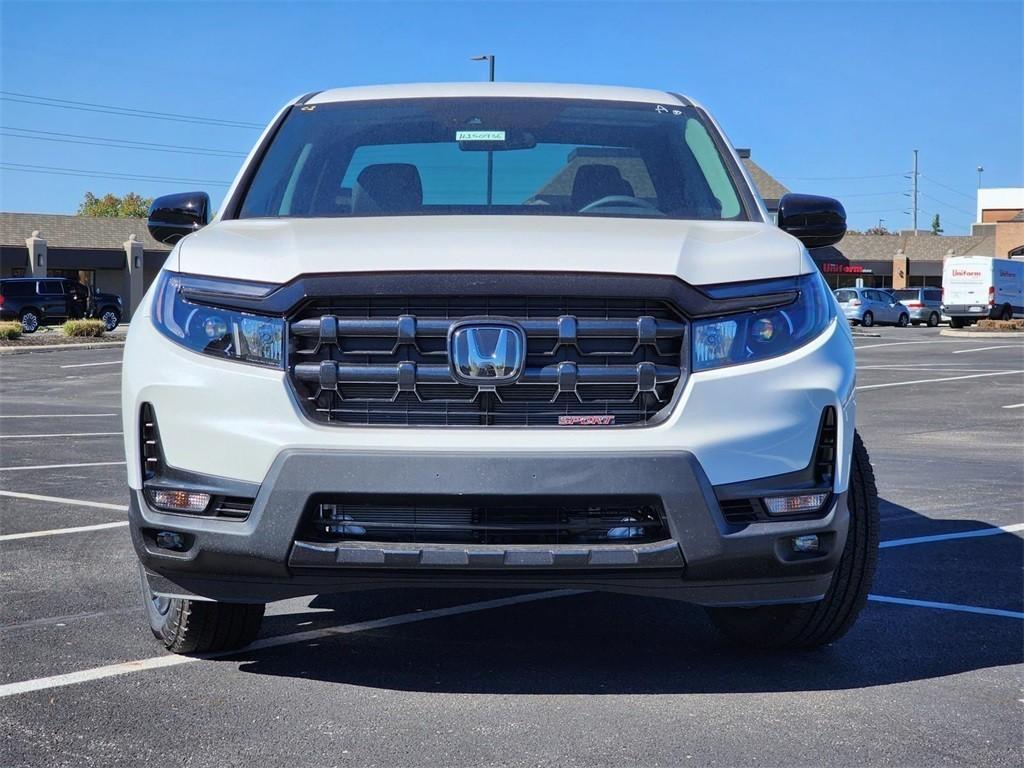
x=704 y=560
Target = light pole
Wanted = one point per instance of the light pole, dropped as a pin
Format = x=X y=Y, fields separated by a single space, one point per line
x=981 y=170
x=489 y=58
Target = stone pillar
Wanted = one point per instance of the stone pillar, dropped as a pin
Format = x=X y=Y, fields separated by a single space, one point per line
x=134 y=284
x=900 y=270
x=36 y=255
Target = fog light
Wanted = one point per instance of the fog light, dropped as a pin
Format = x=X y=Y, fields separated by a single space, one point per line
x=808 y=543
x=179 y=501
x=170 y=540
x=795 y=505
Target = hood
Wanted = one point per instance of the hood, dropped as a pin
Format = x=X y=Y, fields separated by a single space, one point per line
x=698 y=252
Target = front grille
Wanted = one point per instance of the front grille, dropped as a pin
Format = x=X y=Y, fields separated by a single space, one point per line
x=484 y=520
x=383 y=361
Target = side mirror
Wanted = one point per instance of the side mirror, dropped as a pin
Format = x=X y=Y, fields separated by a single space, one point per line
x=815 y=221
x=171 y=217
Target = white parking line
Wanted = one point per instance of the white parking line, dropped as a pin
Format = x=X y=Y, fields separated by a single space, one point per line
x=947 y=536
x=62 y=621
x=1018 y=405
x=61 y=500
x=985 y=349
x=932 y=381
x=63 y=466
x=934 y=341
x=59 y=531
x=65 y=434
x=157 y=662
x=946 y=606
x=89 y=365
x=56 y=415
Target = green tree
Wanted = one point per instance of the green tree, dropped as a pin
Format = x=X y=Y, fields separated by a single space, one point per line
x=879 y=230
x=936 y=225
x=131 y=205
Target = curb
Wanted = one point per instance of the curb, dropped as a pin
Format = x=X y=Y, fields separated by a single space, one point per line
x=867 y=335
x=982 y=334
x=60 y=347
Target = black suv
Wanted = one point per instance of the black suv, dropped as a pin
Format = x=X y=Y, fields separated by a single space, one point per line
x=50 y=300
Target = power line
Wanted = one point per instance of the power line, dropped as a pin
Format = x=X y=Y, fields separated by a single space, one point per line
x=99 y=141
x=876 y=210
x=870 y=194
x=58 y=171
x=107 y=109
x=951 y=207
x=840 y=178
x=945 y=186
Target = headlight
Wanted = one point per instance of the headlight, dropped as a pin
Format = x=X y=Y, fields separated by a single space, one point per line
x=745 y=338
x=224 y=333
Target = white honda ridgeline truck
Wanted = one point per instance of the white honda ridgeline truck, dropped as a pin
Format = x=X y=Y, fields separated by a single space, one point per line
x=496 y=335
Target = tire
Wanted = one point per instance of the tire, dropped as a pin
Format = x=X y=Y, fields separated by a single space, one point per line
x=868 y=320
x=902 y=321
x=198 y=626
x=111 y=318
x=956 y=322
x=1007 y=313
x=934 y=320
x=30 y=320
x=809 y=625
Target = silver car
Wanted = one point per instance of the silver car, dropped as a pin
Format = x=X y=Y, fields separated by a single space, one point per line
x=868 y=306
x=925 y=304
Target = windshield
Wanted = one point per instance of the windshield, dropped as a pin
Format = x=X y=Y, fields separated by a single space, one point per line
x=493 y=156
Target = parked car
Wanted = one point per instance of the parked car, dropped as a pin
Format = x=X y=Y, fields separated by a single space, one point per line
x=38 y=301
x=978 y=287
x=871 y=306
x=594 y=362
x=925 y=304
x=107 y=307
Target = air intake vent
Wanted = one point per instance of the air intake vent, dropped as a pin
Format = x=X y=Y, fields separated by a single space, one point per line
x=149 y=439
x=825 y=453
x=485 y=520
x=740 y=511
x=234 y=507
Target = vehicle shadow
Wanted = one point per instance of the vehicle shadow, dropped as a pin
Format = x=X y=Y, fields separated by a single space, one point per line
x=614 y=644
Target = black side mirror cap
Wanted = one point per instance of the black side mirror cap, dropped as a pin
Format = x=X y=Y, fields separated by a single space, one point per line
x=814 y=221
x=171 y=217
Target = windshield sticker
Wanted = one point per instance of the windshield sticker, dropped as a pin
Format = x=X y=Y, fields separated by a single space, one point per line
x=479 y=135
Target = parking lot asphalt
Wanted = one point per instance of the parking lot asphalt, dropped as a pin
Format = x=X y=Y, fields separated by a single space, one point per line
x=931 y=675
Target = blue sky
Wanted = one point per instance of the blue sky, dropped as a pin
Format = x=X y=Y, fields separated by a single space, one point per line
x=832 y=97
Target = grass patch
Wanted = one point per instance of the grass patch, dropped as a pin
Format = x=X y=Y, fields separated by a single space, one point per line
x=10 y=331
x=1001 y=325
x=84 y=328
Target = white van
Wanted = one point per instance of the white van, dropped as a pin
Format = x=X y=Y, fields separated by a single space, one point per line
x=978 y=287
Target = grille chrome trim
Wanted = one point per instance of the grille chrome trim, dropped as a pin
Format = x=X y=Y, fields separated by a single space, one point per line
x=383 y=361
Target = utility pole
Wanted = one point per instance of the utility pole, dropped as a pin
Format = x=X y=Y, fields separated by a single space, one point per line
x=914 y=194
